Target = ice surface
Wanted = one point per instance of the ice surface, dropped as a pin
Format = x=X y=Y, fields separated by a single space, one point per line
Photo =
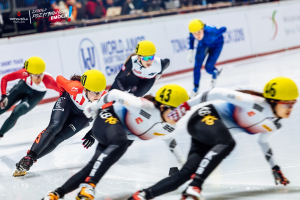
x=243 y=175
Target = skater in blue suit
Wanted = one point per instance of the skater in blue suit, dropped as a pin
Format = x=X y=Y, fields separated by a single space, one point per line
x=210 y=42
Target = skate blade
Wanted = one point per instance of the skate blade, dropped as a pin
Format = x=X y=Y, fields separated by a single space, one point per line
x=19 y=173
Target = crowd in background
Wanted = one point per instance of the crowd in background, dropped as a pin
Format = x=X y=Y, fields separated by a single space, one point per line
x=89 y=9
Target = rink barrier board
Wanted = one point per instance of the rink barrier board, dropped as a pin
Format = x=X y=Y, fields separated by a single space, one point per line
x=53 y=99
x=248 y=35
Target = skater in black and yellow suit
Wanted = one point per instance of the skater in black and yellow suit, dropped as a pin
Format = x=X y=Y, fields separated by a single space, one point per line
x=67 y=116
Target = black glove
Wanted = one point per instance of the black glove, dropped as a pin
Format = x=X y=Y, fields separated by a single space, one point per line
x=279 y=178
x=3 y=101
x=88 y=140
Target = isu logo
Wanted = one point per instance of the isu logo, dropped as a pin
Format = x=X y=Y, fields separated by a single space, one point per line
x=138 y=120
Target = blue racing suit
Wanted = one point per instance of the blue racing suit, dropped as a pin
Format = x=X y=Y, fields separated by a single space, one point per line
x=212 y=44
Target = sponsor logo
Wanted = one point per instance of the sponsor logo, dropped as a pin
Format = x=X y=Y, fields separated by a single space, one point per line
x=111 y=120
x=137 y=71
x=209 y=120
x=57 y=104
x=88 y=57
x=205 y=162
x=152 y=74
x=139 y=120
x=123 y=68
x=204 y=111
x=19 y=14
x=72 y=127
x=74 y=89
x=274 y=24
x=25 y=74
x=251 y=113
x=37 y=140
x=266 y=127
x=98 y=163
x=158 y=134
x=180 y=45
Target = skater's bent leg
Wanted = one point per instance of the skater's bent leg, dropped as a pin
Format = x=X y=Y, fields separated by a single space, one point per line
x=173 y=182
x=199 y=58
x=214 y=53
x=210 y=161
x=72 y=126
x=74 y=182
x=57 y=121
x=19 y=110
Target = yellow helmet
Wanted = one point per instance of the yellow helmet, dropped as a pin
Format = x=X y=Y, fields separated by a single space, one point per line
x=195 y=25
x=35 y=65
x=93 y=80
x=171 y=95
x=145 y=48
x=281 y=88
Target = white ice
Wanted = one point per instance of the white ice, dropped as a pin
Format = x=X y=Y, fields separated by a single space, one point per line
x=244 y=174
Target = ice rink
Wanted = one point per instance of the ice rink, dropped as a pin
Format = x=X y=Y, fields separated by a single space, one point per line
x=244 y=174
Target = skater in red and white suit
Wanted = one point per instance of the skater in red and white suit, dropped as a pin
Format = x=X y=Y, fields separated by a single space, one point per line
x=30 y=90
x=213 y=117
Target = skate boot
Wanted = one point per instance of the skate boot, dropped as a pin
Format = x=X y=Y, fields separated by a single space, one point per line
x=194 y=92
x=215 y=76
x=87 y=191
x=51 y=196
x=139 y=195
x=23 y=166
x=192 y=192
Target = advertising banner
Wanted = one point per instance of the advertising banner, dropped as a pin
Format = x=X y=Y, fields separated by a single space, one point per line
x=250 y=31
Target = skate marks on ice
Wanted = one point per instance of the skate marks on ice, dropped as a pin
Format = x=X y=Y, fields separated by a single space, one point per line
x=250 y=192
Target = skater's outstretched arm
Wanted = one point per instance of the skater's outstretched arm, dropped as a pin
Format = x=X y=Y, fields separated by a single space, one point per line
x=50 y=83
x=129 y=101
x=72 y=87
x=172 y=145
x=20 y=74
x=231 y=96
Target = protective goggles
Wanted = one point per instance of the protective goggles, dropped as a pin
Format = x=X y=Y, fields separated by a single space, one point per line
x=170 y=107
x=37 y=75
x=146 y=58
x=94 y=93
x=288 y=104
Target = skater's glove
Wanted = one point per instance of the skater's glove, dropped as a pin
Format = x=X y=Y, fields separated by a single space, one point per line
x=3 y=101
x=88 y=140
x=179 y=112
x=190 y=55
x=91 y=110
x=279 y=178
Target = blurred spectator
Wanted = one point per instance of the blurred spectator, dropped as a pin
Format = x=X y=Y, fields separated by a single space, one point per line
x=143 y=5
x=94 y=9
x=108 y=4
x=127 y=7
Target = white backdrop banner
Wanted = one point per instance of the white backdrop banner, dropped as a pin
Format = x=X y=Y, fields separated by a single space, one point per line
x=251 y=30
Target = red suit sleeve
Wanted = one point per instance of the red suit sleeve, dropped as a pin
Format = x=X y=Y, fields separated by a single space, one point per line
x=20 y=74
x=50 y=83
x=71 y=87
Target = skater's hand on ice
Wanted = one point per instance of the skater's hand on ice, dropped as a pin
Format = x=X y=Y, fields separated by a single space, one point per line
x=3 y=101
x=91 y=110
x=88 y=140
x=179 y=112
x=190 y=56
x=279 y=178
